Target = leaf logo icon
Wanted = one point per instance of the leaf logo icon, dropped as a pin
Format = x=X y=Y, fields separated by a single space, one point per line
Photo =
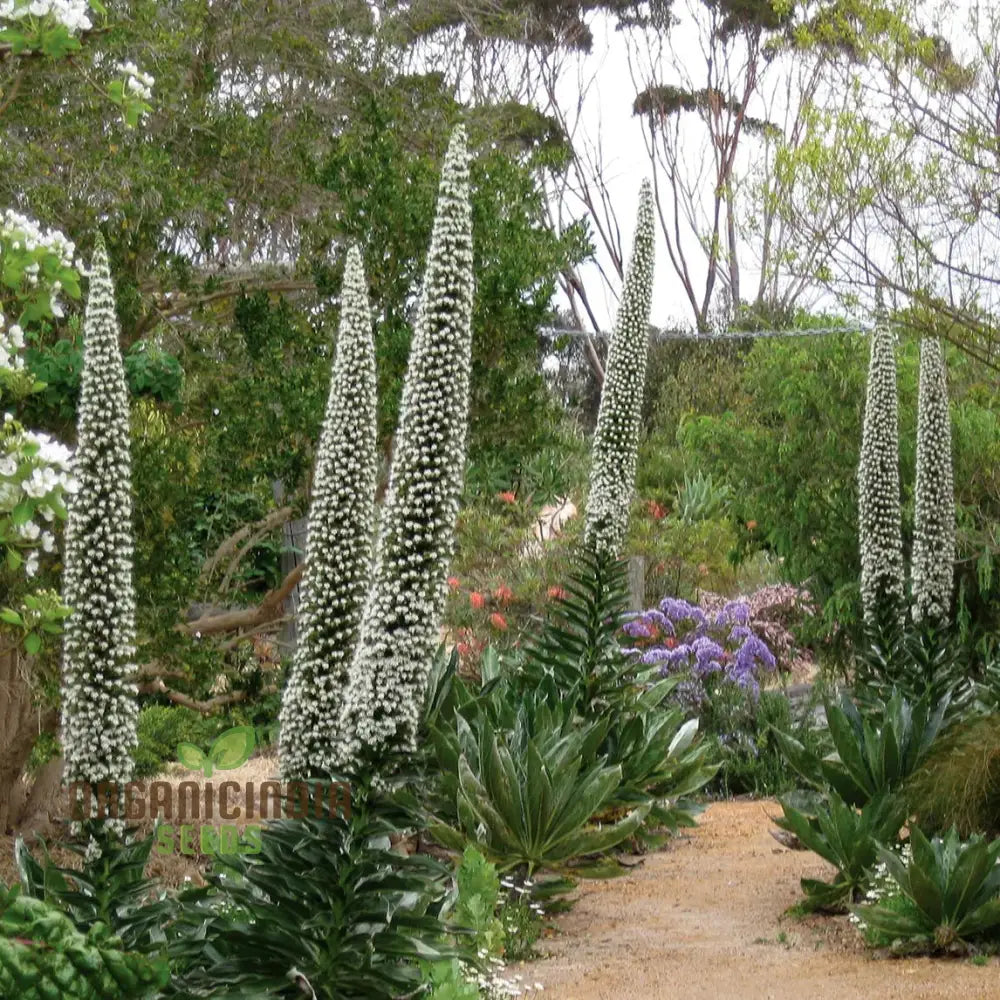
x=230 y=749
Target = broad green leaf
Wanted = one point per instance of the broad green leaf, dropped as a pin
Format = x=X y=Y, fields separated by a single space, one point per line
x=21 y=514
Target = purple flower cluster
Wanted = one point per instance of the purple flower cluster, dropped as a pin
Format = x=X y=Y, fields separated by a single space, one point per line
x=701 y=646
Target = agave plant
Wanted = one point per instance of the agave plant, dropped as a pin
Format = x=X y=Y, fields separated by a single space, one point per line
x=662 y=760
x=698 y=498
x=525 y=795
x=871 y=756
x=43 y=956
x=846 y=837
x=952 y=890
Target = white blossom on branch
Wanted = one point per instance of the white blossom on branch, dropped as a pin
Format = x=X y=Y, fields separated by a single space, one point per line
x=399 y=631
x=933 y=569
x=616 y=440
x=339 y=544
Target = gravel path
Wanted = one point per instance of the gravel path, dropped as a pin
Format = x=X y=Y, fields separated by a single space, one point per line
x=703 y=921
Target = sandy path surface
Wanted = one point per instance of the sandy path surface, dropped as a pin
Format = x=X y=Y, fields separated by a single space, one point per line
x=701 y=921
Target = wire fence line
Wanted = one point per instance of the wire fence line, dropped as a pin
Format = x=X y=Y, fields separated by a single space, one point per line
x=554 y=332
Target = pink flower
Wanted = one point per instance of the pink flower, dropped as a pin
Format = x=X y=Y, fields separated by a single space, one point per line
x=503 y=594
x=453 y=582
x=508 y=496
x=477 y=600
x=498 y=621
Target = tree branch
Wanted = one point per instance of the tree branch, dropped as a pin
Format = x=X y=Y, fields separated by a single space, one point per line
x=268 y=610
x=206 y=707
x=230 y=545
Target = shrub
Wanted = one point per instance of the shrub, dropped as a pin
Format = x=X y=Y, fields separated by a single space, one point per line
x=959 y=783
x=682 y=558
x=710 y=652
x=742 y=732
x=776 y=611
x=161 y=728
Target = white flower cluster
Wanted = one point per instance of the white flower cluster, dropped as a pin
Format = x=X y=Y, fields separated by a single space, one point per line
x=73 y=15
x=34 y=467
x=19 y=232
x=399 y=630
x=493 y=984
x=933 y=569
x=99 y=707
x=339 y=545
x=881 y=886
x=616 y=440
x=136 y=81
x=879 y=519
x=24 y=233
x=11 y=344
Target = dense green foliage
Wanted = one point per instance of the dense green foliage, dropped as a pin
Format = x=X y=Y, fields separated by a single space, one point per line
x=784 y=437
x=43 y=956
x=326 y=902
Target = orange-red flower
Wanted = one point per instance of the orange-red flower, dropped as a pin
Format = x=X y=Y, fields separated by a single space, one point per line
x=508 y=496
x=656 y=510
x=498 y=621
x=557 y=593
x=453 y=582
x=477 y=600
x=751 y=525
x=503 y=594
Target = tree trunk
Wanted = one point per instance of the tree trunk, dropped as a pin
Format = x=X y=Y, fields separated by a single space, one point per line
x=637 y=583
x=21 y=722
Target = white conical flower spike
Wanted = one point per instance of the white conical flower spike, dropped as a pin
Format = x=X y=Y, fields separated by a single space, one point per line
x=399 y=631
x=879 y=519
x=339 y=545
x=99 y=706
x=933 y=569
x=616 y=440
